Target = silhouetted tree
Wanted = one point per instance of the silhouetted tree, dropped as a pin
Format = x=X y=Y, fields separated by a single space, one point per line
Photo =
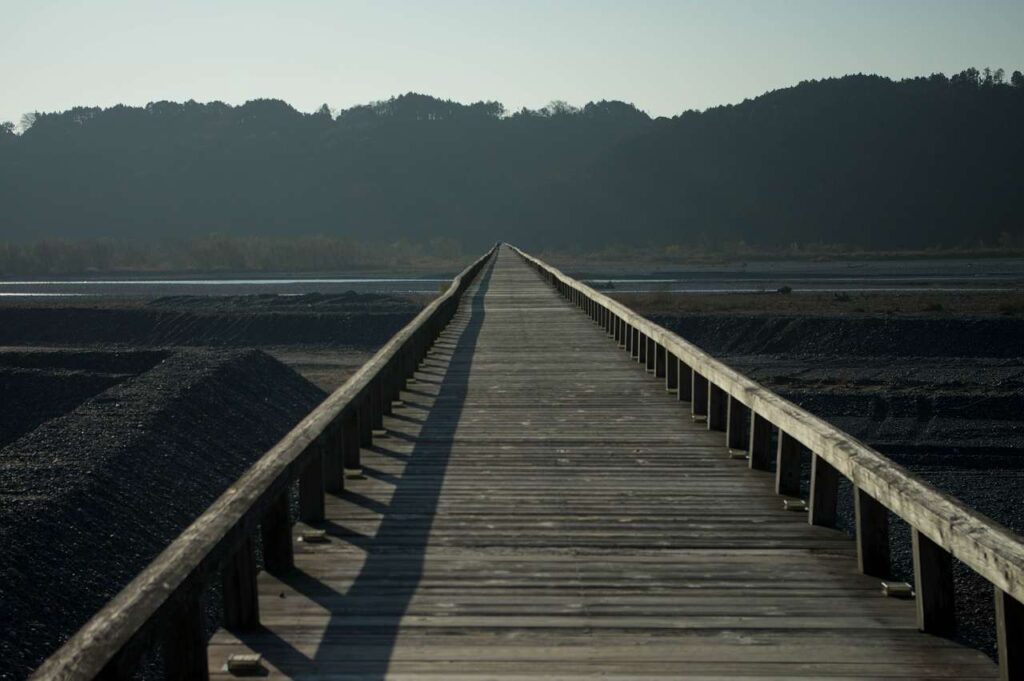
x=860 y=160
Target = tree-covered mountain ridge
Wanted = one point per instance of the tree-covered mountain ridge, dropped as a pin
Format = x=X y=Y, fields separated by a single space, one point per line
x=863 y=161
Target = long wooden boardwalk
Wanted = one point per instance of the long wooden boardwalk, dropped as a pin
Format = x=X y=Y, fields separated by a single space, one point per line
x=540 y=508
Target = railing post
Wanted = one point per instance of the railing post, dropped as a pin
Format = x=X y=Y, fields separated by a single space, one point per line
x=787 y=466
x=824 y=493
x=933 y=581
x=641 y=353
x=659 y=361
x=311 y=486
x=365 y=422
x=1009 y=636
x=698 y=395
x=872 y=521
x=717 y=414
x=239 y=590
x=737 y=431
x=276 y=533
x=334 y=466
x=650 y=357
x=671 y=373
x=760 y=442
x=628 y=330
x=635 y=340
x=684 y=381
x=185 y=645
x=376 y=399
x=350 y=441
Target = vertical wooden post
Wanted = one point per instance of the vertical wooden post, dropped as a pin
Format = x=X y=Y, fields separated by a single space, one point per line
x=311 y=487
x=384 y=381
x=334 y=467
x=760 y=442
x=652 y=356
x=376 y=399
x=629 y=339
x=698 y=394
x=365 y=424
x=933 y=581
x=717 y=408
x=684 y=378
x=787 y=466
x=671 y=373
x=1009 y=636
x=276 y=532
x=637 y=337
x=737 y=431
x=872 y=521
x=350 y=445
x=241 y=597
x=620 y=332
x=185 y=646
x=824 y=493
x=641 y=355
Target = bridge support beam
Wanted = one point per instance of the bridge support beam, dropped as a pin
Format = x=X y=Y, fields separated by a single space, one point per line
x=350 y=446
x=737 y=431
x=933 y=581
x=872 y=520
x=671 y=373
x=698 y=395
x=787 y=466
x=717 y=408
x=824 y=493
x=334 y=462
x=311 y=487
x=760 y=446
x=684 y=391
x=241 y=596
x=1010 y=636
x=276 y=533
x=185 y=646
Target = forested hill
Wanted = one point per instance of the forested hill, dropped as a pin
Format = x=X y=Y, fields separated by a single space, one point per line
x=859 y=160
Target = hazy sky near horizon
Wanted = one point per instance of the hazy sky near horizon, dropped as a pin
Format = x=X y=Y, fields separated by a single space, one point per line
x=664 y=56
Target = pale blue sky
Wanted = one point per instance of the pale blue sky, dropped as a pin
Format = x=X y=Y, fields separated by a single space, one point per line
x=663 y=56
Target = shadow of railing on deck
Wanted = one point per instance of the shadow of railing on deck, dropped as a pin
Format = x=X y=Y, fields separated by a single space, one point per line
x=371 y=611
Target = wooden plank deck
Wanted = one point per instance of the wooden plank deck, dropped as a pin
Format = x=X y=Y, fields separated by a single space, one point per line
x=542 y=508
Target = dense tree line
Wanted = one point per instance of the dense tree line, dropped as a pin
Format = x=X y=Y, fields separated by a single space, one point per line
x=858 y=160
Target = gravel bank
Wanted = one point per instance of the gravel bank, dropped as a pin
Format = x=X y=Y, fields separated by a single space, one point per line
x=89 y=498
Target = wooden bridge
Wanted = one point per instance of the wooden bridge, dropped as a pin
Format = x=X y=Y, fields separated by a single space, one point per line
x=531 y=481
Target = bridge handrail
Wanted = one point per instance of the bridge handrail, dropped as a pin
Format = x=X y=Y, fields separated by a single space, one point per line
x=165 y=595
x=948 y=526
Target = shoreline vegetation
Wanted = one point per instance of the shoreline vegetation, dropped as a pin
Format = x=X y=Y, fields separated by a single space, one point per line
x=221 y=256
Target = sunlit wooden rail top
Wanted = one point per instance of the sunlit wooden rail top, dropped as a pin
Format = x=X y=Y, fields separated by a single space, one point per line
x=532 y=481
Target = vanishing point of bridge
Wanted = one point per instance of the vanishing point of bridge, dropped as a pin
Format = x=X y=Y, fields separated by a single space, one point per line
x=514 y=491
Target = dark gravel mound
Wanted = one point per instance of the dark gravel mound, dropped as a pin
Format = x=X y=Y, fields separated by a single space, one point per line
x=172 y=327
x=36 y=386
x=871 y=336
x=91 y=497
x=350 y=301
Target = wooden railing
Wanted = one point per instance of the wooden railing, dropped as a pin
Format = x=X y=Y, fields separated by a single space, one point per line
x=943 y=528
x=162 y=604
